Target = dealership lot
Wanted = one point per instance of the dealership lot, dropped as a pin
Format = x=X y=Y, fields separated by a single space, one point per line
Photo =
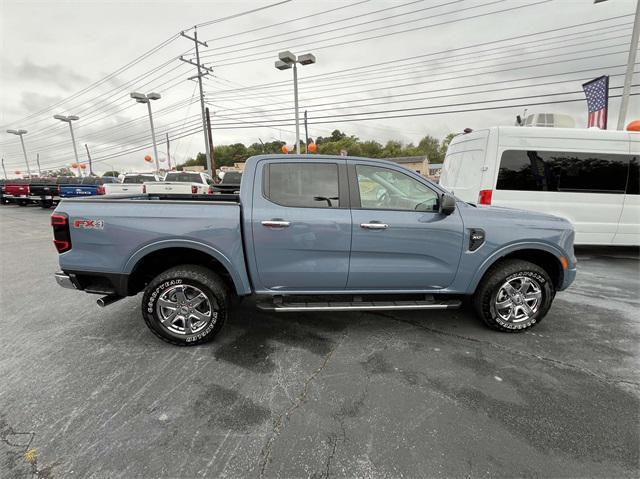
x=86 y=391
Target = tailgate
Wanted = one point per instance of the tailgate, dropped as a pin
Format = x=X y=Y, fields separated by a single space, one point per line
x=161 y=187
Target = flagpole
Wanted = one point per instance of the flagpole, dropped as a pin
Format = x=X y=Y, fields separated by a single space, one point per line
x=633 y=49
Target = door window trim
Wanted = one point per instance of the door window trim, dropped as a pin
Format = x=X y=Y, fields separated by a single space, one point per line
x=354 y=189
x=343 y=189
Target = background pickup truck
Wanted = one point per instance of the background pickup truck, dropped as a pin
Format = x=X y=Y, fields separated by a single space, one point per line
x=181 y=183
x=317 y=233
x=132 y=184
x=229 y=184
x=88 y=186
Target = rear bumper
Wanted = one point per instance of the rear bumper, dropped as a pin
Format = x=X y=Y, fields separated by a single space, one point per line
x=94 y=282
x=65 y=280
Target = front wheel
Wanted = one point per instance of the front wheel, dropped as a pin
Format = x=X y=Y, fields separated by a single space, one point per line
x=46 y=204
x=514 y=296
x=185 y=305
x=23 y=202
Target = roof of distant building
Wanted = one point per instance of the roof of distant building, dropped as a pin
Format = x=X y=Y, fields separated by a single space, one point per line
x=406 y=159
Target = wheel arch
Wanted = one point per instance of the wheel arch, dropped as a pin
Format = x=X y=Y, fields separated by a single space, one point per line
x=153 y=259
x=540 y=254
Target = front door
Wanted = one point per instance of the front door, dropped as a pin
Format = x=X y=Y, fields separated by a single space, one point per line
x=400 y=240
x=302 y=225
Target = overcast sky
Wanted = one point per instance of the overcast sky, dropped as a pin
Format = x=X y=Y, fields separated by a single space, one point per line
x=51 y=51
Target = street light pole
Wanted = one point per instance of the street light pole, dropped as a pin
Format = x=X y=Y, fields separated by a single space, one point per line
x=633 y=50
x=286 y=61
x=142 y=98
x=153 y=137
x=4 y=170
x=69 y=119
x=20 y=133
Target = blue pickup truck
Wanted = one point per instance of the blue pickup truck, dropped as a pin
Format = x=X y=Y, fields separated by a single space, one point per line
x=313 y=233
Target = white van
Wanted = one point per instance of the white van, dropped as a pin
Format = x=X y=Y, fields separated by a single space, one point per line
x=588 y=176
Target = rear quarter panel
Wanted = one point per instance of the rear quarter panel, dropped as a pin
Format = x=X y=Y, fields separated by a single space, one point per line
x=134 y=228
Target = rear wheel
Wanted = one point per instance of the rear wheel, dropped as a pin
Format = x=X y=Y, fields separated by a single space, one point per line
x=23 y=202
x=515 y=295
x=185 y=305
x=46 y=204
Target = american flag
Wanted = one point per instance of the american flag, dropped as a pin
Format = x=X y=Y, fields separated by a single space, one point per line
x=597 y=93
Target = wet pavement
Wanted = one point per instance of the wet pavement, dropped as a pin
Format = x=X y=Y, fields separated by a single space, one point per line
x=90 y=392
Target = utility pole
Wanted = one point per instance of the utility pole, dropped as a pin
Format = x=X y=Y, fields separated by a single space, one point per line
x=213 y=160
x=4 y=170
x=89 y=156
x=168 y=155
x=306 y=133
x=628 y=76
x=38 y=163
x=200 y=67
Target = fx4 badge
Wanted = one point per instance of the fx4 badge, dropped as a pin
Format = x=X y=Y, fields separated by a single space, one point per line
x=89 y=224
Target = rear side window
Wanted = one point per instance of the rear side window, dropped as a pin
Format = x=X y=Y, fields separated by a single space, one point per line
x=563 y=171
x=183 y=177
x=303 y=185
x=634 y=176
x=138 y=179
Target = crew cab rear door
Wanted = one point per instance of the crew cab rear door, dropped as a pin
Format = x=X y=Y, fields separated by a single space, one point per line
x=301 y=224
x=400 y=241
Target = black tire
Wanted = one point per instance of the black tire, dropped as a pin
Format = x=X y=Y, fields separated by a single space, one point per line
x=46 y=204
x=485 y=299
x=192 y=278
x=23 y=202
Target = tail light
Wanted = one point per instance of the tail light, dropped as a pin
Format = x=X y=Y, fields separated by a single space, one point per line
x=61 y=234
x=210 y=190
x=194 y=189
x=144 y=189
x=100 y=190
x=484 y=198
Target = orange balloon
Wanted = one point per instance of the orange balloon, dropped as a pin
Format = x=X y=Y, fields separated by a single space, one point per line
x=312 y=147
x=285 y=149
x=148 y=158
x=634 y=126
x=83 y=166
x=74 y=165
x=17 y=172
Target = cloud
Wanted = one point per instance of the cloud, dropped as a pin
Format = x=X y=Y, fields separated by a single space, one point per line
x=56 y=74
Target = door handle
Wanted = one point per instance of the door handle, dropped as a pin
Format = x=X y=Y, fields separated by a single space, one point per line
x=374 y=226
x=275 y=223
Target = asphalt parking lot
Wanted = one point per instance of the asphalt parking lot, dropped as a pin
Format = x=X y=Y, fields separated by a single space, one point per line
x=90 y=392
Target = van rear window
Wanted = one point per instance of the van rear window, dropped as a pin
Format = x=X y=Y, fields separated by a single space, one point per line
x=523 y=170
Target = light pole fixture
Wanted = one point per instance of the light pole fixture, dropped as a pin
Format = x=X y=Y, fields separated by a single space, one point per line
x=69 y=119
x=20 y=133
x=142 y=98
x=286 y=61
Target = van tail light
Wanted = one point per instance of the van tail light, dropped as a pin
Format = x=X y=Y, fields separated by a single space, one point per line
x=210 y=190
x=194 y=189
x=144 y=189
x=484 y=198
x=61 y=234
x=100 y=190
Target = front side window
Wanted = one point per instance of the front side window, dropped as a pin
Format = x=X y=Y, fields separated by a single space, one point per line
x=303 y=185
x=382 y=188
x=563 y=171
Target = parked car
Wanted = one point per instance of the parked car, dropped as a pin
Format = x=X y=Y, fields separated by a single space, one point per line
x=2 y=200
x=332 y=234
x=181 y=183
x=229 y=184
x=589 y=177
x=87 y=186
x=132 y=184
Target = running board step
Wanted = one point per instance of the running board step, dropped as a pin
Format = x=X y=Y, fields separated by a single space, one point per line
x=286 y=307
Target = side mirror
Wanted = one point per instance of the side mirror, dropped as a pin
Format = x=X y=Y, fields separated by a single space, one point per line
x=447 y=204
